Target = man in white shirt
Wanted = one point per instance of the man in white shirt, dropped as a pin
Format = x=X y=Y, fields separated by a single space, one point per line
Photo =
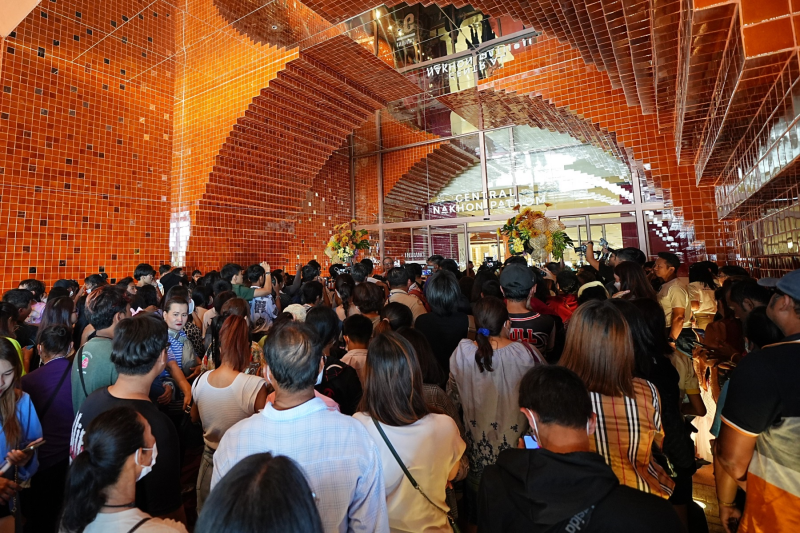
x=340 y=460
x=674 y=299
x=399 y=283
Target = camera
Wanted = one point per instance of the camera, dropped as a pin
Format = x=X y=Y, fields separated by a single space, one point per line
x=604 y=244
x=581 y=249
x=491 y=264
x=339 y=269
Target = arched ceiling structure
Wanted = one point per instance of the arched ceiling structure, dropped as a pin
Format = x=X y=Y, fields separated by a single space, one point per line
x=692 y=68
x=704 y=67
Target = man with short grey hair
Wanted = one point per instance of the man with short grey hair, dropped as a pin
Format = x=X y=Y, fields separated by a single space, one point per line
x=339 y=458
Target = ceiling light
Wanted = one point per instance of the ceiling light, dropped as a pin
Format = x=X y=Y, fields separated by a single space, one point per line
x=274 y=26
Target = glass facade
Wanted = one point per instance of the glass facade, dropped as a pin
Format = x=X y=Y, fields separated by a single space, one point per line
x=440 y=171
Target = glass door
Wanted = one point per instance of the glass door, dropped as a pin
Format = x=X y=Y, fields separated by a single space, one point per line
x=450 y=242
x=577 y=230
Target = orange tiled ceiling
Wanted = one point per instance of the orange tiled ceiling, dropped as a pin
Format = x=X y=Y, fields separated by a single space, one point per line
x=288 y=133
x=615 y=35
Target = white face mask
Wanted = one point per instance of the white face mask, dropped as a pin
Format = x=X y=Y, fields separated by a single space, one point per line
x=536 y=428
x=617 y=284
x=319 y=378
x=191 y=306
x=146 y=469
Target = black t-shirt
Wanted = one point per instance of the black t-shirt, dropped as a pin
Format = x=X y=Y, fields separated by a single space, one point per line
x=763 y=389
x=443 y=333
x=26 y=334
x=83 y=320
x=678 y=445
x=606 y=273
x=536 y=329
x=159 y=492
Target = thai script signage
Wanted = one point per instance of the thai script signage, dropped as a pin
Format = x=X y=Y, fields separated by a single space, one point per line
x=478 y=62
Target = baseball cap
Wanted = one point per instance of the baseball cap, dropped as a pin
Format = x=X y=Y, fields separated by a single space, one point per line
x=790 y=284
x=516 y=277
x=769 y=283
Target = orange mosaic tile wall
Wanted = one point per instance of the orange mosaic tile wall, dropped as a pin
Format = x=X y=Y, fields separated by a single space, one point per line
x=558 y=73
x=86 y=137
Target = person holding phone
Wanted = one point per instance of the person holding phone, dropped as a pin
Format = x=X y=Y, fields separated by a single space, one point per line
x=20 y=428
x=563 y=485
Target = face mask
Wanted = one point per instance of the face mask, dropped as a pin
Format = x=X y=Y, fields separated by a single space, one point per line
x=191 y=306
x=617 y=284
x=319 y=378
x=88 y=291
x=146 y=469
x=536 y=428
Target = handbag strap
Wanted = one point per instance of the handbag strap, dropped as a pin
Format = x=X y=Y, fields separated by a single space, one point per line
x=403 y=466
x=139 y=524
x=55 y=392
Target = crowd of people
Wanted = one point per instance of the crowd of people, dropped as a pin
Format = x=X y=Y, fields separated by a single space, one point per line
x=514 y=398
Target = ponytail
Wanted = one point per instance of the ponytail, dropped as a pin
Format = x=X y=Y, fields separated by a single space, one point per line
x=109 y=440
x=384 y=326
x=490 y=316
x=483 y=355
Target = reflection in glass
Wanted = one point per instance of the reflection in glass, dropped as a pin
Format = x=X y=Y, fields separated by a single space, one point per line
x=417 y=33
x=540 y=166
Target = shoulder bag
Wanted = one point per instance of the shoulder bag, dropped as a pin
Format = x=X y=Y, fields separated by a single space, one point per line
x=411 y=478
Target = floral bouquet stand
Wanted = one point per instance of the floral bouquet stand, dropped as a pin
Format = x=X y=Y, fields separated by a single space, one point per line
x=346 y=241
x=532 y=232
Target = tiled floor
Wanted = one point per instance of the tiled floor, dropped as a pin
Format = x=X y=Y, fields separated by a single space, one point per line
x=705 y=492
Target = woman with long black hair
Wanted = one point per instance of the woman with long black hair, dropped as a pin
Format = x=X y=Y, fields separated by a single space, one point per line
x=118 y=450
x=395 y=414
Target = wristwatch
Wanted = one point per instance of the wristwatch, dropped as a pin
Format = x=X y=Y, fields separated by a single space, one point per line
x=670 y=339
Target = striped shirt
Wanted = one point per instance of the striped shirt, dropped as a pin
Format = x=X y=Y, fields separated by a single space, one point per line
x=626 y=430
x=763 y=403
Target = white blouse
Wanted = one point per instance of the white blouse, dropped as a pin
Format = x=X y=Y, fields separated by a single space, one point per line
x=430 y=449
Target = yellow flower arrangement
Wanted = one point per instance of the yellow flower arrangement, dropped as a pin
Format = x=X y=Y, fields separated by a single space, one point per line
x=346 y=240
x=534 y=233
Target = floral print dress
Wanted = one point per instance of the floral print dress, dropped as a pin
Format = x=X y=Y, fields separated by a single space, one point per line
x=492 y=419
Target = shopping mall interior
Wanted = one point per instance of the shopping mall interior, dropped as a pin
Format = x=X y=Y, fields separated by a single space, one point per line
x=196 y=132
